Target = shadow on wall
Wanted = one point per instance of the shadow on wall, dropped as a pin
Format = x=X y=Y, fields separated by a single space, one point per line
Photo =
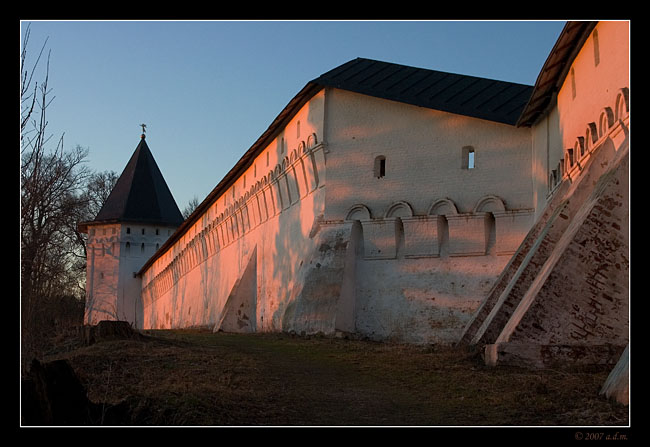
x=240 y=311
x=102 y=297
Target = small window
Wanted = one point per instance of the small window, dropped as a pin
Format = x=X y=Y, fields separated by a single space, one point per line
x=469 y=157
x=596 y=48
x=128 y=247
x=573 y=84
x=128 y=230
x=298 y=129
x=157 y=231
x=142 y=248
x=380 y=166
x=143 y=231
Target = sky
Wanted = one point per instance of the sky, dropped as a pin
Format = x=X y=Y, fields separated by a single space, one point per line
x=206 y=90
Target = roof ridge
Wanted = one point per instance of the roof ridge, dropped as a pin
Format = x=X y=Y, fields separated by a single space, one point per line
x=436 y=89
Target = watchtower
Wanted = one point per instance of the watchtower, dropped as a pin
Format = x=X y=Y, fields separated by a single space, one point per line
x=137 y=218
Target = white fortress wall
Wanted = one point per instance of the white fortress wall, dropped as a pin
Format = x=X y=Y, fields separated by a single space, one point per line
x=597 y=76
x=593 y=98
x=261 y=229
x=434 y=234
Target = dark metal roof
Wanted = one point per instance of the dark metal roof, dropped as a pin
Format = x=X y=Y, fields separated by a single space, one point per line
x=140 y=194
x=487 y=99
x=554 y=71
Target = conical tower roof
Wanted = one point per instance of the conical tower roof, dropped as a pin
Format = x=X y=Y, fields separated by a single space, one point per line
x=141 y=194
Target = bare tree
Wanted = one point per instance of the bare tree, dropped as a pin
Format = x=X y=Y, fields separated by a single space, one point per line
x=190 y=207
x=52 y=183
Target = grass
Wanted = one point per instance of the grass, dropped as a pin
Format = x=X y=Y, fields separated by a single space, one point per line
x=198 y=378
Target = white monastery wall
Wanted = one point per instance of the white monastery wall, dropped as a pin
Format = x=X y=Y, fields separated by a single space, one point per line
x=433 y=233
x=266 y=221
x=592 y=101
x=597 y=77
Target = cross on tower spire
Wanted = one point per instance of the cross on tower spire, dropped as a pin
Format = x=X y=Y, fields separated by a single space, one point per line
x=144 y=126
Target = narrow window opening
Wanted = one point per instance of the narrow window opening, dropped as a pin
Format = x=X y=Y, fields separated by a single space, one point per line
x=573 y=84
x=142 y=248
x=596 y=49
x=298 y=129
x=380 y=166
x=128 y=230
x=143 y=231
x=128 y=247
x=267 y=159
x=157 y=231
x=469 y=157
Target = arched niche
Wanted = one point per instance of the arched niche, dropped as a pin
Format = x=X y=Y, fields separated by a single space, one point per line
x=443 y=207
x=605 y=121
x=569 y=158
x=591 y=136
x=489 y=204
x=399 y=209
x=358 y=212
x=579 y=148
x=312 y=141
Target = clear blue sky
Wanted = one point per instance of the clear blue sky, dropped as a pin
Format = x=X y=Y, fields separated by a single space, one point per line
x=208 y=90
